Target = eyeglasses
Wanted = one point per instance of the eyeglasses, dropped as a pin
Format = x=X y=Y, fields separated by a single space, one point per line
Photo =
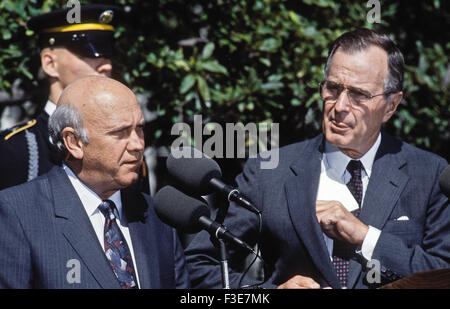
x=330 y=91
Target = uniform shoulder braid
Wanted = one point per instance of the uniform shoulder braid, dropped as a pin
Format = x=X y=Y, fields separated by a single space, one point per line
x=7 y=134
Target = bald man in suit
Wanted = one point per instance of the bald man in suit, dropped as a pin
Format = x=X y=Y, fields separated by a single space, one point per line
x=82 y=225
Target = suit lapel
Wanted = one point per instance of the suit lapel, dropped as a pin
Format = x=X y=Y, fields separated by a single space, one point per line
x=77 y=229
x=301 y=191
x=385 y=186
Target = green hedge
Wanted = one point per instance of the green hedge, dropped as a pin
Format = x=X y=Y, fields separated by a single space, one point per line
x=253 y=61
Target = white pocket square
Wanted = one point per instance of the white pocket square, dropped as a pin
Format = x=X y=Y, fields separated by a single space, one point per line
x=402 y=218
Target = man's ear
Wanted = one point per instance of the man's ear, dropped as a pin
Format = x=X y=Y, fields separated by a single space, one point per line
x=49 y=62
x=73 y=143
x=392 y=103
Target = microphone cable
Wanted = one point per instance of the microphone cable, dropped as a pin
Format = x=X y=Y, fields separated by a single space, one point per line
x=256 y=256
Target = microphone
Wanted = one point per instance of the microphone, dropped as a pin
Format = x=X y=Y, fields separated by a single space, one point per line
x=190 y=215
x=444 y=181
x=201 y=174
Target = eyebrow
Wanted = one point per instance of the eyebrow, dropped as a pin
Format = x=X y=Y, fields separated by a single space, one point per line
x=352 y=87
x=125 y=127
x=119 y=129
x=359 y=89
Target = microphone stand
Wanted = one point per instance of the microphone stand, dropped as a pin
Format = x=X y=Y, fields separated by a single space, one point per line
x=220 y=216
x=224 y=265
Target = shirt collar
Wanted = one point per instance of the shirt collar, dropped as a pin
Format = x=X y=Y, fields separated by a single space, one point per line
x=49 y=107
x=88 y=197
x=336 y=161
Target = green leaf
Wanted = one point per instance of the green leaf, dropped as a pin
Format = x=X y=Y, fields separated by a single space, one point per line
x=272 y=85
x=182 y=64
x=265 y=61
x=187 y=83
x=203 y=89
x=270 y=45
x=158 y=133
x=295 y=102
x=6 y=84
x=212 y=66
x=208 y=50
x=294 y=17
x=274 y=104
x=6 y=34
x=25 y=72
x=314 y=98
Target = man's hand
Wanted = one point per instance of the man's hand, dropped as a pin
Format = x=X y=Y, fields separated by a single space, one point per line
x=299 y=282
x=338 y=223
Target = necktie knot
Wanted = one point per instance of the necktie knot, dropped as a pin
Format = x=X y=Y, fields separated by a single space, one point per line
x=106 y=207
x=354 y=167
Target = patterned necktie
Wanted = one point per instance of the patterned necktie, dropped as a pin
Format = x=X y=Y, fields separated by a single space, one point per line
x=342 y=251
x=116 y=248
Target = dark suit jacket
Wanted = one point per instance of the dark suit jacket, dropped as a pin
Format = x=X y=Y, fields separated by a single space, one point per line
x=404 y=182
x=44 y=228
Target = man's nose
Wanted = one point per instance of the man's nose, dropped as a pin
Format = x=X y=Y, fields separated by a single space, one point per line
x=343 y=103
x=136 y=143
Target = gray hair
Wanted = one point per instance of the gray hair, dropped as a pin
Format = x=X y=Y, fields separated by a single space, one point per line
x=65 y=116
x=361 y=39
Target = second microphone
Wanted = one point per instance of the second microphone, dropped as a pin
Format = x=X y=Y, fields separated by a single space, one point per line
x=201 y=174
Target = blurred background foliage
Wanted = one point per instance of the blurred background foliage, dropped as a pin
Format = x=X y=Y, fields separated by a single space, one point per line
x=248 y=61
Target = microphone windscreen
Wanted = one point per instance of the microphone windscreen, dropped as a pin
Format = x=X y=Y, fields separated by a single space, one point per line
x=179 y=210
x=193 y=170
x=444 y=181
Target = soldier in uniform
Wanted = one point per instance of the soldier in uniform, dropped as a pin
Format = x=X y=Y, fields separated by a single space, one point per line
x=68 y=51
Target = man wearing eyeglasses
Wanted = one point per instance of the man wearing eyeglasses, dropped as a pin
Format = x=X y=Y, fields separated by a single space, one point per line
x=351 y=208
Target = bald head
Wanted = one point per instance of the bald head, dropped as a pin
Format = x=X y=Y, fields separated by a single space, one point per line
x=97 y=99
x=97 y=91
x=110 y=116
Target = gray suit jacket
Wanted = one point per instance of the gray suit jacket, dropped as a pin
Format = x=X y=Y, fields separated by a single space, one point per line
x=404 y=182
x=46 y=237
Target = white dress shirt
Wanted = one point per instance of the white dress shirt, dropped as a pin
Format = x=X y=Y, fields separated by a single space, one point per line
x=91 y=201
x=49 y=107
x=332 y=187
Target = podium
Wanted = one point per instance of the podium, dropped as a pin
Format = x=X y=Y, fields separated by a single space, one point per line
x=431 y=279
